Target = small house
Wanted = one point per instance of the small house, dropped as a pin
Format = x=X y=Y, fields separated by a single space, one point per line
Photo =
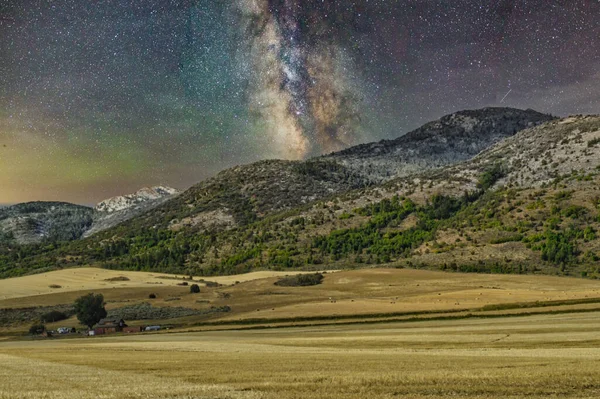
x=109 y=326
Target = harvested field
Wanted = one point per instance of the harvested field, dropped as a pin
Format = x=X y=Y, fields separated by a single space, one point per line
x=535 y=357
x=361 y=294
x=89 y=278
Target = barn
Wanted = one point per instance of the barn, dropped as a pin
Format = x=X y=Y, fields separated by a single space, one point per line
x=109 y=326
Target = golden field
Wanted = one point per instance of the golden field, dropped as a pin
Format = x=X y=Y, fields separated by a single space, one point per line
x=537 y=356
x=370 y=333
x=366 y=295
x=342 y=294
x=91 y=278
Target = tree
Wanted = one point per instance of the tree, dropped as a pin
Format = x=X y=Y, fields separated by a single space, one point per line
x=194 y=288
x=37 y=329
x=90 y=309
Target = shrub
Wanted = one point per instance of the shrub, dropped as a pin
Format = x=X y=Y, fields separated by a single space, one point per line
x=53 y=316
x=300 y=280
x=558 y=248
x=194 y=288
x=119 y=278
x=37 y=329
x=593 y=142
x=491 y=176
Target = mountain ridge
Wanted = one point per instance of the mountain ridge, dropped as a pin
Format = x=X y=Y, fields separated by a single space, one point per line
x=37 y=221
x=122 y=202
x=526 y=204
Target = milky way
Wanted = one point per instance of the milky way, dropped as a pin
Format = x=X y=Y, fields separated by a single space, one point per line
x=100 y=98
x=302 y=86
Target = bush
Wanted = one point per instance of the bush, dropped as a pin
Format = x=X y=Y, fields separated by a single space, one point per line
x=491 y=176
x=194 y=288
x=37 y=329
x=593 y=142
x=53 y=316
x=152 y=296
x=119 y=278
x=300 y=280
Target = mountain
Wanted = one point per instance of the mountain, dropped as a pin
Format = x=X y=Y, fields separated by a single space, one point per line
x=527 y=204
x=247 y=193
x=451 y=139
x=34 y=222
x=145 y=195
x=116 y=210
x=37 y=222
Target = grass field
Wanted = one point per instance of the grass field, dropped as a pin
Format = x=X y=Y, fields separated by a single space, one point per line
x=535 y=357
x=366 y=294
x=90 y=278
x=371 y=333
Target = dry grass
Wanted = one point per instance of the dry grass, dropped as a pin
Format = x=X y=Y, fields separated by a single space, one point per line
x=342 y=294
x=536 y=357
x=73 y=280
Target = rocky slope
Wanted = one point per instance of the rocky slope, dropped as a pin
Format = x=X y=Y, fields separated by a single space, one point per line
x=247 y=193
x=143 y=196
x=528 y=203
x=533 y=158
x=34 y=222
x=451 y=139
x=114 y=211
x=37 y=222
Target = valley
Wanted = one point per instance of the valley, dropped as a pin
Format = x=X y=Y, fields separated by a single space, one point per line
x=253 y=300
x=296 y=199
x=534 y=356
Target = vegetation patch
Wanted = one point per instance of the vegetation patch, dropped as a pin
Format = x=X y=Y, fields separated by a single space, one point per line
x=145 y=311
x=300 y=280
x=116 y=279
x=18 y=316
x=54 y=316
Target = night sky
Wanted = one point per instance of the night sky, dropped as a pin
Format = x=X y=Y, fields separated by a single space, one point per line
x=101 y=98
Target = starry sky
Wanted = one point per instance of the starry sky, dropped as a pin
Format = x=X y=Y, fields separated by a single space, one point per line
x=101 y=98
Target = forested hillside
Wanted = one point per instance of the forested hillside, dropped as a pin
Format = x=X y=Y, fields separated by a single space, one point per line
x=529 y=204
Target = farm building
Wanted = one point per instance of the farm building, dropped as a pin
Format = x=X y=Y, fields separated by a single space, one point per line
x=109 y=326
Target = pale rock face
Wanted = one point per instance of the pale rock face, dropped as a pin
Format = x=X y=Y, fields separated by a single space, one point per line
x=453 y=138
x=145 y=194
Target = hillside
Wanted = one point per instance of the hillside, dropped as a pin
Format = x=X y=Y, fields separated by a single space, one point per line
x=532 y=206
x=248 y=193
x=33 y=222
x=449 y=140
x=528 y=204
x=53 y=222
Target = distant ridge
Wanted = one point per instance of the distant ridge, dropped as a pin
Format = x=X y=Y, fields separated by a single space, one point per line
x=453 y=138
x=145 y=194
x=38 y=221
